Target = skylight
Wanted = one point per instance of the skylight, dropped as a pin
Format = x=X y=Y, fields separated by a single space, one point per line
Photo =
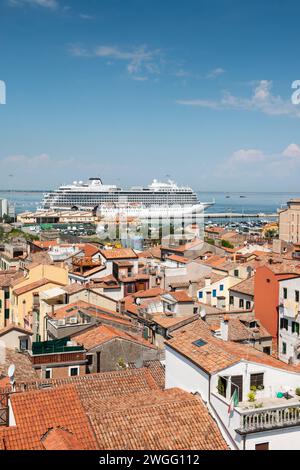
x=199 y=343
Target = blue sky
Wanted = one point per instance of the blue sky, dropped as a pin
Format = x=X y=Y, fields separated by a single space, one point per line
x=132 y=90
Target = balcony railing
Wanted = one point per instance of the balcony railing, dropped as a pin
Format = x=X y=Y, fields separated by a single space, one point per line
x=266 y=419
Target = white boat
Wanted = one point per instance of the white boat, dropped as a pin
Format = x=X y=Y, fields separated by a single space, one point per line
x=159 y=199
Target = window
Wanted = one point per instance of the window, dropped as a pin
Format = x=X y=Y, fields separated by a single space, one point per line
x=231 y=300
x=241 y=303
x=236 y=273
x=48 y=374
x=283 y=348
x=24 y=344
x=195 y=310
x=6 y=294
x=221 y=287
x=284 y=324
x=214 y=293
x=295 y=327
x=73 y=371
x=222 y=386
x=0 y=304
x=248 y=305
x=256 y=380
x=297 y=296
x=267 y=350
x=6 y=314
x=285 y=293
x=200 y=295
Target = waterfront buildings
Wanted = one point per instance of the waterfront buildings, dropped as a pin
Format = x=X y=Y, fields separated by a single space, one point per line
x=289 y=222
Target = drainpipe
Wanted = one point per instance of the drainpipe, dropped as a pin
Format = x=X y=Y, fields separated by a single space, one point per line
x=216 y=413
x=244 y=442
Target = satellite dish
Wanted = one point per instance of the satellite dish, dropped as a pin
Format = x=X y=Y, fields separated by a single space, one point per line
x=11 y=374
x=11 y=371
x=203 y=313
x=138 y=301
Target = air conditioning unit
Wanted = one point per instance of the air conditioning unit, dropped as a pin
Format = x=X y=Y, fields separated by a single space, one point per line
x=73 y=321
x=61 y=322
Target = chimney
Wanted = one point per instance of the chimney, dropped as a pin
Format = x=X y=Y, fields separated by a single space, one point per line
x=207 y=281
x=193 y=287
x=224 y=328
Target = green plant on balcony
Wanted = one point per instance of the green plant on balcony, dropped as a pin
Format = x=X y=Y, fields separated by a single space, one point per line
x=251 y=397
x=297 y=391
x=253 y=388
x=258 y=405
x=260 y=387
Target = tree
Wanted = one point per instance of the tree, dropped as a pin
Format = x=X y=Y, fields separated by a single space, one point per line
x=226 y=244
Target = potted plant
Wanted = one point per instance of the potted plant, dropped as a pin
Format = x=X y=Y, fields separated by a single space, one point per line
x=297 y=391
x=251 y=397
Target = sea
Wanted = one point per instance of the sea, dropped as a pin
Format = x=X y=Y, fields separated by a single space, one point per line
x=225 y=202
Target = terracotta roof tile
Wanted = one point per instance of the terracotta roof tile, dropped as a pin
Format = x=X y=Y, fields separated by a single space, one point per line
x=217 y=354
x=47 y=409
x=165 y=420
x=35 y=285
x=102 y=334
x=60 y=439
x=118 y=253
x=245 y=287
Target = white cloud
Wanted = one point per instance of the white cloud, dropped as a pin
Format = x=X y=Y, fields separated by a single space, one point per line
x=262 y=100
x=51 y=4
x=248 y=156
x=292 y=151
x=140 y=61
x=84 y=16
x=215 y=73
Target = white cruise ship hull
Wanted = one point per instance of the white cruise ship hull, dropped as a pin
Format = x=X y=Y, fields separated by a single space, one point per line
x=156 y=200
x=163 y=212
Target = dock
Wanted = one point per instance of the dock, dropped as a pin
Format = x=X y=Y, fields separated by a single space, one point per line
x=235 y=215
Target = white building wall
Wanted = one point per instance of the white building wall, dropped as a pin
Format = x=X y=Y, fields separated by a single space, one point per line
x=289 y=311
x=182 y=373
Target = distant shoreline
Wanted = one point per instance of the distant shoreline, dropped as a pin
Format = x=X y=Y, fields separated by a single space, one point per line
x=39 y=191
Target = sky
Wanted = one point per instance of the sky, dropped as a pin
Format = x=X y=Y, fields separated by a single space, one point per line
x=198 y=91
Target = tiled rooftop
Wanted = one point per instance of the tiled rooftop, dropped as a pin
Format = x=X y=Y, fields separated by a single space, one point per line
x=38 y=411
x=102 y=334
x=217 y=354
x=245 y=287
x=118 y=253
x=156 y=416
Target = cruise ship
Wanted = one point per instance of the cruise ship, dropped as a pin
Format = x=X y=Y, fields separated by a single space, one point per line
x=159 y=199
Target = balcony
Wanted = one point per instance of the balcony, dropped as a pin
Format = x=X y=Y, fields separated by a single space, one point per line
x=267 y=418
x=290 y=308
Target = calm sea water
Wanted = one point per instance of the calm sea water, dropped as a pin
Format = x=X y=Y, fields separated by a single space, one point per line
x=267 y=203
